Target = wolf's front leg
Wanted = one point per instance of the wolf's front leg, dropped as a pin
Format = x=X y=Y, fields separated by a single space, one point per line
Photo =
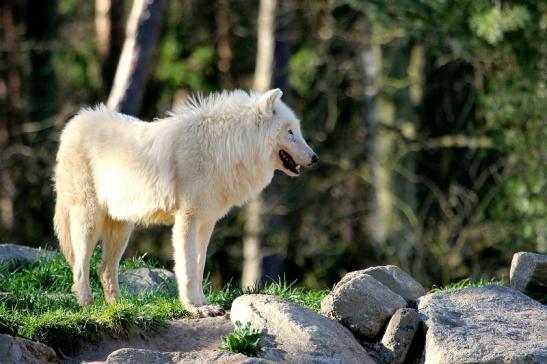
x=205 y=231
x=187 y=248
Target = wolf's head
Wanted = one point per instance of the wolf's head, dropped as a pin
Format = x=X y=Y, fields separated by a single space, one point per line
x=290 y=150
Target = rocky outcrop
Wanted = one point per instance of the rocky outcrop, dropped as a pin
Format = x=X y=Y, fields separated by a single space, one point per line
x=492 y=324
x=362 y=304
x=529 y=272
x=10 y=253
x=294 y=334
x=143 y=279
x=139 y=356
x=399 y=335
x=19 y=350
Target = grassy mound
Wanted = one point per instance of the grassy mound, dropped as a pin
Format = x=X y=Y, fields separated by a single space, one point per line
x=39 y=305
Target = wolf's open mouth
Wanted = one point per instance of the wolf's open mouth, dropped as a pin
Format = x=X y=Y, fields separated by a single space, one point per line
x=288 y=162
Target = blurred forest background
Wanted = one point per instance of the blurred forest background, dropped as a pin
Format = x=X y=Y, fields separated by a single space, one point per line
x=429 y=117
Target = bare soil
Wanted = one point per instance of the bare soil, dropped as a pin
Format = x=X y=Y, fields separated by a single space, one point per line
x=180 y=335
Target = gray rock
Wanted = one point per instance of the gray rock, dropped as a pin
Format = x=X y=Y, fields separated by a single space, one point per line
x=492 y=324
x=362 y=304
x=400 y=332
x=294 y=334
x=143 y=279
x=11 y=253
x=394 y=278
x=19 y=350
x=139 y=356
x=529 y=271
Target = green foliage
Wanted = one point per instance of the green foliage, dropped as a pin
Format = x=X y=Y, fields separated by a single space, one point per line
x=186 y=72
x=467 y=283
x=492 y=23
x=244 y=340
x=304 y=65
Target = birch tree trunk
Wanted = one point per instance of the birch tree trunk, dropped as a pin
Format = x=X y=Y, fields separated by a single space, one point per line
x=109 y=30
x=252 y=252
x=143 y=29
x=370 y=57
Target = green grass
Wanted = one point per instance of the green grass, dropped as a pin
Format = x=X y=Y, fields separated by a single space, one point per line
x=288 y=291
x=467 y=283
x=41 y=307
x=477 y=283
x=244 y=340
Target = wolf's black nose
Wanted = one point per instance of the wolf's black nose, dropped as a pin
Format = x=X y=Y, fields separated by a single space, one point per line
x=314 y=159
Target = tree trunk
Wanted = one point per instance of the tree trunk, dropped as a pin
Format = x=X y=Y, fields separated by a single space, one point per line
x=143 y=29
x=284 y=41
x=375 y=226
x=10 y=98
x=273 y=259
x=41 y=28
x=252 y=252
x=109 y=29
x=224 y=49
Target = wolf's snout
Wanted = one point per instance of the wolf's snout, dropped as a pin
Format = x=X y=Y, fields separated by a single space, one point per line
x=314 y=159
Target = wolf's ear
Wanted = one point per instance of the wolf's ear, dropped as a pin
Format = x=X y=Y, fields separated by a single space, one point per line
x=267 y=101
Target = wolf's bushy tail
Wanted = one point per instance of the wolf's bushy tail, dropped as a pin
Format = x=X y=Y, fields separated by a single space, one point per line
x=61 y=223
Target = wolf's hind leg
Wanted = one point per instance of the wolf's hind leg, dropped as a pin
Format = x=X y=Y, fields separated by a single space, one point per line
x=115 y=237
x=84 y=232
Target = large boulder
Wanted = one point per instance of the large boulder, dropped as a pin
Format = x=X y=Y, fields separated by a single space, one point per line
x=139 y=356
x=145 y=279
x=19 y=350
x=529 y=271
x=362 y=304
x=492 y=324
x=10 y=253
x=294 y=334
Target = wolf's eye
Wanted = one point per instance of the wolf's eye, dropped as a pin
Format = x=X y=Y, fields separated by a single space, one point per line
x=290 y=132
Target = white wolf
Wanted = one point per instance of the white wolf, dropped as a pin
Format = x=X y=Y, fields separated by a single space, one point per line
x=114 y=171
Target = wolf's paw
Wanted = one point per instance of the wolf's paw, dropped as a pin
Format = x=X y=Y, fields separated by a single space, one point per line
x=203 y=299
x=85 y=300
x=206 y=311
x=112 y=297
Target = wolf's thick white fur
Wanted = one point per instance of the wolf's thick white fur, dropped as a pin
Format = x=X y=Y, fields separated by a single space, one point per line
x=114 y=171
